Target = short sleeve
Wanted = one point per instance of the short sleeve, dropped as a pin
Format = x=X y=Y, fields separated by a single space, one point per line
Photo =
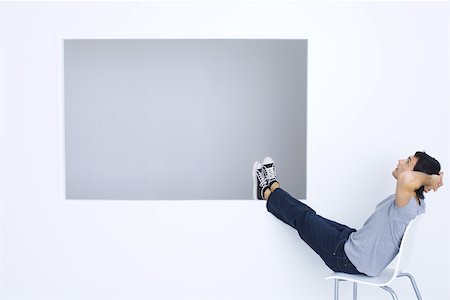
x=409 y=211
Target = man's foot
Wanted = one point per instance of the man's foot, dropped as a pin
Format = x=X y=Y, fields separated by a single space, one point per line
x=260 y=183
x=269 y=171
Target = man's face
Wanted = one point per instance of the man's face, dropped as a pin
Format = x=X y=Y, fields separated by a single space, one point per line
x=405 y=164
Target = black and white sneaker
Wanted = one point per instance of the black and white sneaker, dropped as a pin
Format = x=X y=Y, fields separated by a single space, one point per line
x=259 y=181
x=269 y=171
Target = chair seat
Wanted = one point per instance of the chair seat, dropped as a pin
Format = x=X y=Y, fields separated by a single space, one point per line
x=389 y=274
x=381 y=280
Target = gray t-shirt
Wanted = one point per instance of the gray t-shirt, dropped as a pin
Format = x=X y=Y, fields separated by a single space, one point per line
x=376 y=244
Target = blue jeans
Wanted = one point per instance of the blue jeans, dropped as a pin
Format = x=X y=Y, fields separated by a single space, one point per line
x=325 y=237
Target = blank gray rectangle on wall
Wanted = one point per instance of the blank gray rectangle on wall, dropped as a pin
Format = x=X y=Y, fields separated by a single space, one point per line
x=163 y=119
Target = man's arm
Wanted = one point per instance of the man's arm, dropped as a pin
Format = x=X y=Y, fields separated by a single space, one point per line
x=409 y=181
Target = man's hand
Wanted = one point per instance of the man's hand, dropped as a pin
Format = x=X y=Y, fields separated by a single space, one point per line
x=436 y=183
x=409 y=181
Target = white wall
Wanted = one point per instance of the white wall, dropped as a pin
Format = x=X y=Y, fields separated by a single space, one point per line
x=377 y=91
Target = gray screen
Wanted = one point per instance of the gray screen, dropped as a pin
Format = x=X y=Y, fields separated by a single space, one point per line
x=183 y=118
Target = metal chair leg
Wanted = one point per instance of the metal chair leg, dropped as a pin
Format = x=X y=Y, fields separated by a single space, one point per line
x=336 y=289
x=355 y=296
x=391 y=291
x=414 y=284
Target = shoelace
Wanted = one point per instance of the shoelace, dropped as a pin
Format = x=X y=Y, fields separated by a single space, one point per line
x=261 y=178
x=270 y=172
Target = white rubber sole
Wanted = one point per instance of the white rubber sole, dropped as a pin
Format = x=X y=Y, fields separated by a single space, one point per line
x=268 y=160
x=255 y=181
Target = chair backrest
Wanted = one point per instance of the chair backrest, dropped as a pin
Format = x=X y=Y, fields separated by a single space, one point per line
x=406 y=245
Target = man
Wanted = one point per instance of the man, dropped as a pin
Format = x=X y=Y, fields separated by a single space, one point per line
x=343 y=249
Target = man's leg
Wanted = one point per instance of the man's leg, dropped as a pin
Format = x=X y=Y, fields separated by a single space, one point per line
x=322 y=235
x=334 y=224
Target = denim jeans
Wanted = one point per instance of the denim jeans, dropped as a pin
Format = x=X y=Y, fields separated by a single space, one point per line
x=325 y=237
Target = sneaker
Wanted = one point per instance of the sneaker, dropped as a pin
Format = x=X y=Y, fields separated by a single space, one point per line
x=269 y=170
x=259 y=181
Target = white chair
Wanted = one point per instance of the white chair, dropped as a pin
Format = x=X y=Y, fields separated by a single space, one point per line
x=388 y=275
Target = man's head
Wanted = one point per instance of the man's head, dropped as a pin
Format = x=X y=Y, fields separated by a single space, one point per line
x=420 y=162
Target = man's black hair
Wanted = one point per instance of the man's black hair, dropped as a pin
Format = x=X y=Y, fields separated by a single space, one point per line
x=425 y=164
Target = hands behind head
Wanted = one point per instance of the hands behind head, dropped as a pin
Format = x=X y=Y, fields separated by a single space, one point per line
x=437 y=183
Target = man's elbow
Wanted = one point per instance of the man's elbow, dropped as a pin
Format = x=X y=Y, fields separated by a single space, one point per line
x=407 y=180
